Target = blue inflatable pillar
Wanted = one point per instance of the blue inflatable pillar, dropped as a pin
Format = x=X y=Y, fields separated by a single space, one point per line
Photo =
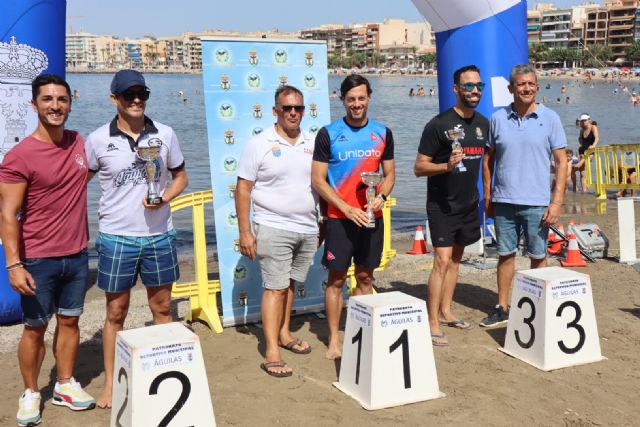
x=491 y=34
x=32 y=41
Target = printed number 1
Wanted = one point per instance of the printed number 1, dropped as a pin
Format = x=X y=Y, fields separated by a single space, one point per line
x=358 y=338
x=406 y=367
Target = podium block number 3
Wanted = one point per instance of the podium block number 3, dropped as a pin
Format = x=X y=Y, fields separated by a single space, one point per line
x=153 y=390
x=403 y=341
x=574 y=324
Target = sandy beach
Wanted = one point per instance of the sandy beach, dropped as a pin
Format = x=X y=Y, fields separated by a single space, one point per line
x=483 y=385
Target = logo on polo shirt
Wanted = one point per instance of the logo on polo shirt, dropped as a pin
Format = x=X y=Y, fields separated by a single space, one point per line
x=80 y=162
x=280 y=56
x=111 y=147
x=230 y=164
x=276 y=150
x=222 y=55
x=310 y=80
x=343 y=138
x=479 y=133
x=330 y=256
x=375 y=137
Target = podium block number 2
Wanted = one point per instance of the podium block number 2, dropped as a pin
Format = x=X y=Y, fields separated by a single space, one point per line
x=153 y=390
x=403 y=341
x=574 y=324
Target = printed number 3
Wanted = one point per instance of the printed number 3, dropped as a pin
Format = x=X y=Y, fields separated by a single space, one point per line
x=573 y=324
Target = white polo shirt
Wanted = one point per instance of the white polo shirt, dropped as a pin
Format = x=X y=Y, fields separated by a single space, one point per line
x=123 y=178
x=282 y=194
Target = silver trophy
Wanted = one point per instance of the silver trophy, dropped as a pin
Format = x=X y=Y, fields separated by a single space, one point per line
x=455 y=135
x=149 y=154
x=371 y=179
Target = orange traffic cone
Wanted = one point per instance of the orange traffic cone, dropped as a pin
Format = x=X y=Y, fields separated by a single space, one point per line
x=556 y=243
x=419 y=245
x=574 y=259
x=561 y=230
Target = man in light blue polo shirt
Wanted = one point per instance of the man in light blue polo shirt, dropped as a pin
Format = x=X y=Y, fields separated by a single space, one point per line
x=522 y=139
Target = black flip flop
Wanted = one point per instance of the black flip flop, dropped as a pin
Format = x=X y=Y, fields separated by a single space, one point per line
x=279 y=364
x=291 y=346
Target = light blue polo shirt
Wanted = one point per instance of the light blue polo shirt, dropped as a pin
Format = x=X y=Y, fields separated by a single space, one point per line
x=523 y=152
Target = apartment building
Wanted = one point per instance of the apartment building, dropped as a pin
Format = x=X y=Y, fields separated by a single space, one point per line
x=621 y=26
x=359 y=38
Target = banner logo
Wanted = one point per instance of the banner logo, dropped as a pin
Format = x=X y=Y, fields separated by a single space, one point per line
x=313 y=129
x=313 y=110
x=257 y=111
x=226 y=110
x=308 y=59
x=232 y=218
x=280 y=56
x=253 y=57
x=256 y=131
x=224 y=83
x=310 y=80
x=228 y=137
x=222 y=55
x=232 y=191
x=240 y=272
x=230 y=164
x=283 y=80
x=253 y=80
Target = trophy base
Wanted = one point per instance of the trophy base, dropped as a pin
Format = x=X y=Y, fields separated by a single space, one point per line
x=154 y=200
x=370 y=225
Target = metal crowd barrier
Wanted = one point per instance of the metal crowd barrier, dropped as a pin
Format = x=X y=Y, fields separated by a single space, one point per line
x=203 y=293
x=606 y=168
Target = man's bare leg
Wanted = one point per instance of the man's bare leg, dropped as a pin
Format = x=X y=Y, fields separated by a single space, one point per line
x=435 y=284
x=449 y=284
x=31 y=352
x=117 y=309
x=274 y=302
x=333 y=306
x=285 y=331
x=538 y=263
x=506 y=270
x=159 y=298
x=66 y=346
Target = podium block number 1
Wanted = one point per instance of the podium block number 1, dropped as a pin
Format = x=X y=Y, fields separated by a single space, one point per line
x=403 y=341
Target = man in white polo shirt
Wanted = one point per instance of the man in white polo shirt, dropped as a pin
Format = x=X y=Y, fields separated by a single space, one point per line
x=275 y=174
x=136 y=233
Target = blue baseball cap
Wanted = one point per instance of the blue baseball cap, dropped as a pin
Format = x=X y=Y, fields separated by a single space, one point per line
x=124 y=79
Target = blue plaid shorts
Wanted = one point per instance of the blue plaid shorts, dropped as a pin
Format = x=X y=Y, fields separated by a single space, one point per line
x=122 y=258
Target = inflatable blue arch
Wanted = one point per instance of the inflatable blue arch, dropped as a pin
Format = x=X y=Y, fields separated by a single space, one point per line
x=33 y=30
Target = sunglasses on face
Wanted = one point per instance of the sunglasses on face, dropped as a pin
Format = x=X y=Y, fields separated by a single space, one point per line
x=288 y=108
x=469 y=86
x=130 y=95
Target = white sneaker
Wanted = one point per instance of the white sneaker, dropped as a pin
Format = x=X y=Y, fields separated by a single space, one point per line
x=29 y=409
x=72 y=396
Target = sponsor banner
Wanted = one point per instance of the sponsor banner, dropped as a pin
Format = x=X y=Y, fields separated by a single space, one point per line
x=240 y=78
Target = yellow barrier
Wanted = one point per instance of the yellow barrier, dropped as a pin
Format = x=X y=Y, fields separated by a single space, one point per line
x=203 y=292
x=606 y=168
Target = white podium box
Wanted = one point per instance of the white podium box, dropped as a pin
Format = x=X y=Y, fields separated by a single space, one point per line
x=159 y=379
x=387 y=357
x=552 y=322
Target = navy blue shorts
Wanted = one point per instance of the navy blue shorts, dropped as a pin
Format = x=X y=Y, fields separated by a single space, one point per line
x=121 y=259
x=346 y=241
x=61 y=285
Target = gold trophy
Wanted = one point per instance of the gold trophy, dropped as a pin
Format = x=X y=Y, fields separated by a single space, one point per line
x=148 y=155
x=371 y=179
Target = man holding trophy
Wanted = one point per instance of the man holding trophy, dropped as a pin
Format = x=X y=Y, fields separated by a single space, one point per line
x=450 y=154
x=347 y=159
x=133 y=157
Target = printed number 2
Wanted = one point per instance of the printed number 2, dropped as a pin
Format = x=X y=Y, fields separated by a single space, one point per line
x=123 y=373
x=186 y=391
x=573 y=324
x=402 y=340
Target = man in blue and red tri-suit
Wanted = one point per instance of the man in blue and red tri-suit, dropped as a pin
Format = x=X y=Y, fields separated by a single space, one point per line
x=343 y=150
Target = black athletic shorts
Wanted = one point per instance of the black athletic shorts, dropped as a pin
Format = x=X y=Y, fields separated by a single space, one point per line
x=449 y=228
x=345 y=241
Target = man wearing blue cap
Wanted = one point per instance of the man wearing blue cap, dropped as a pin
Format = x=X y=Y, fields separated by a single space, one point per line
x=136 y=235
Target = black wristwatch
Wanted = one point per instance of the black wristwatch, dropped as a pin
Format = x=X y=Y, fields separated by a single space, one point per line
x=383 y=197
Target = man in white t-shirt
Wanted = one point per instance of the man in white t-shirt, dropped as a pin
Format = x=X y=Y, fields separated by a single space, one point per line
x=136 y=233
x=275 y=174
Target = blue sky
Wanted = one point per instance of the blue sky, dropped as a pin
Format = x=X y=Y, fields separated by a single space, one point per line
x=134 y=18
